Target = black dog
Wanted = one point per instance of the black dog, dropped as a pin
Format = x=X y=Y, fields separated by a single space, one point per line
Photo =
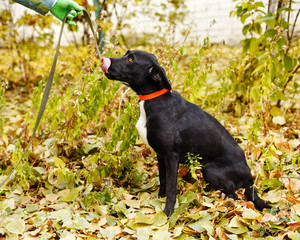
x=174 y=127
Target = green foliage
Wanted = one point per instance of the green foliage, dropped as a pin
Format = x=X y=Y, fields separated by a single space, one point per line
x=193 y=164
x=266 y=72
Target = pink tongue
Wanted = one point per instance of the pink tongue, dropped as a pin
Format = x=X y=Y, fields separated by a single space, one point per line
x=105 y=64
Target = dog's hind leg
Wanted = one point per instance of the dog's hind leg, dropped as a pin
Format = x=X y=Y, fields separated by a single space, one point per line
x=162 y=176
x=217 y=177
x=229 y=190
x=251 y=195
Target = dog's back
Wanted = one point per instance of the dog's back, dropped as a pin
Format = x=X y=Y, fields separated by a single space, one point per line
x=188 y=127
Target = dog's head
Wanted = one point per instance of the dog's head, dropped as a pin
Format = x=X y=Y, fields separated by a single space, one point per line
x=138 y=69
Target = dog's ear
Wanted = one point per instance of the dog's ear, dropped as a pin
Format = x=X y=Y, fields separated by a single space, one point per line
x=158 y=74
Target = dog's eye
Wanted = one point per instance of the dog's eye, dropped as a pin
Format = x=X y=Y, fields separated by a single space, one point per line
x=130 y=60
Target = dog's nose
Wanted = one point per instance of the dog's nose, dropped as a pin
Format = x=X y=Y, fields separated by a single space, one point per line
x=105 y=64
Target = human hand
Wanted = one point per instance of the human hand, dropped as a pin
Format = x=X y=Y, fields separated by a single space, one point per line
x=61 y=7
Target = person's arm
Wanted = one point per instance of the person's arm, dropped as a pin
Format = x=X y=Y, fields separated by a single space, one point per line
x=58 y=8
x=40 y=6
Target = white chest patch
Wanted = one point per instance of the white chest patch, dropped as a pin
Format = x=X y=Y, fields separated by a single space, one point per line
x=141 y=123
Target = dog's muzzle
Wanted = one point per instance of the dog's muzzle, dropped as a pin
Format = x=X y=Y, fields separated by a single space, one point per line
x=105 y=64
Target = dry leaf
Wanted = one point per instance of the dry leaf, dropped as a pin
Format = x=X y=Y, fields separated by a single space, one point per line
x=220 y=232
x=294 y=225
x=292 y=199
x=294 y=186
x=270 y=217
x=256 y=153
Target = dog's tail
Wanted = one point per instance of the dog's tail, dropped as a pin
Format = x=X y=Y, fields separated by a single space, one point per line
x=251 y=195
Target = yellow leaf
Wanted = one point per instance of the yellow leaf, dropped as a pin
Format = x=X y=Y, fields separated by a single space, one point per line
x=236 y=222
x=59 y=162
x=133 y=203
x=12 y=225
x=160 y=219
x=143 y=219
x=294 y=235
x=71 y=196
x=250 y=214
x=297 y=209
x=273 y=196
x=275 y=111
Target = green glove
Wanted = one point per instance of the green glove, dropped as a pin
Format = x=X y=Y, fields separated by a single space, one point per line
x=61 y=7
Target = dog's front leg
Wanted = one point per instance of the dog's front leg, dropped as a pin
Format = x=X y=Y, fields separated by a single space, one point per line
x=162 y=176
x=171 y=165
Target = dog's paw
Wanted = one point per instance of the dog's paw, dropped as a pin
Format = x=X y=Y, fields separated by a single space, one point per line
x=161 y=194
x=169 y=212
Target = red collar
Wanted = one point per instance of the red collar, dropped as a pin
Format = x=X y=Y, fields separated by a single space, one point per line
x=154 y=94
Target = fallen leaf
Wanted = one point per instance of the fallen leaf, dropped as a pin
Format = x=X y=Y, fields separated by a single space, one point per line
x=294 y=186
x=128 y=196
x=52 y=197
x=108 y=234
x=143 y=233
x=14 y=225
x=294 y=235
x=189 y=230
x=102 y=210
x=71 y=196
x=161 y=235
x=80 y=223
x=294 y=143
x=249 y=205
x=292 y=199
x=280 y=120
x=32 y=207
x=177 y=231
x=235 y=222
x=240 y=230
x=160 y=219
x=275 y=173
x=64 y=215
x=183 y=172
x=120 y=207
x=59 y=162
x=297 y=209
x=280 y=142
x=133 y=203
x=221 y=233
x=198 y=226
x=102 y=222
x=270 y=217
x=66 y=235
x=34 y=233
x=143 y=219
x=209 y=227
x=272 y=196
x=250 y=214
x=294 y=225
x=8 y=203
x=158 y=203
x=256 y=153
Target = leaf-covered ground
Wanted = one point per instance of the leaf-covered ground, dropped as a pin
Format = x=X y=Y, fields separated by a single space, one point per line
x=97 y=185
